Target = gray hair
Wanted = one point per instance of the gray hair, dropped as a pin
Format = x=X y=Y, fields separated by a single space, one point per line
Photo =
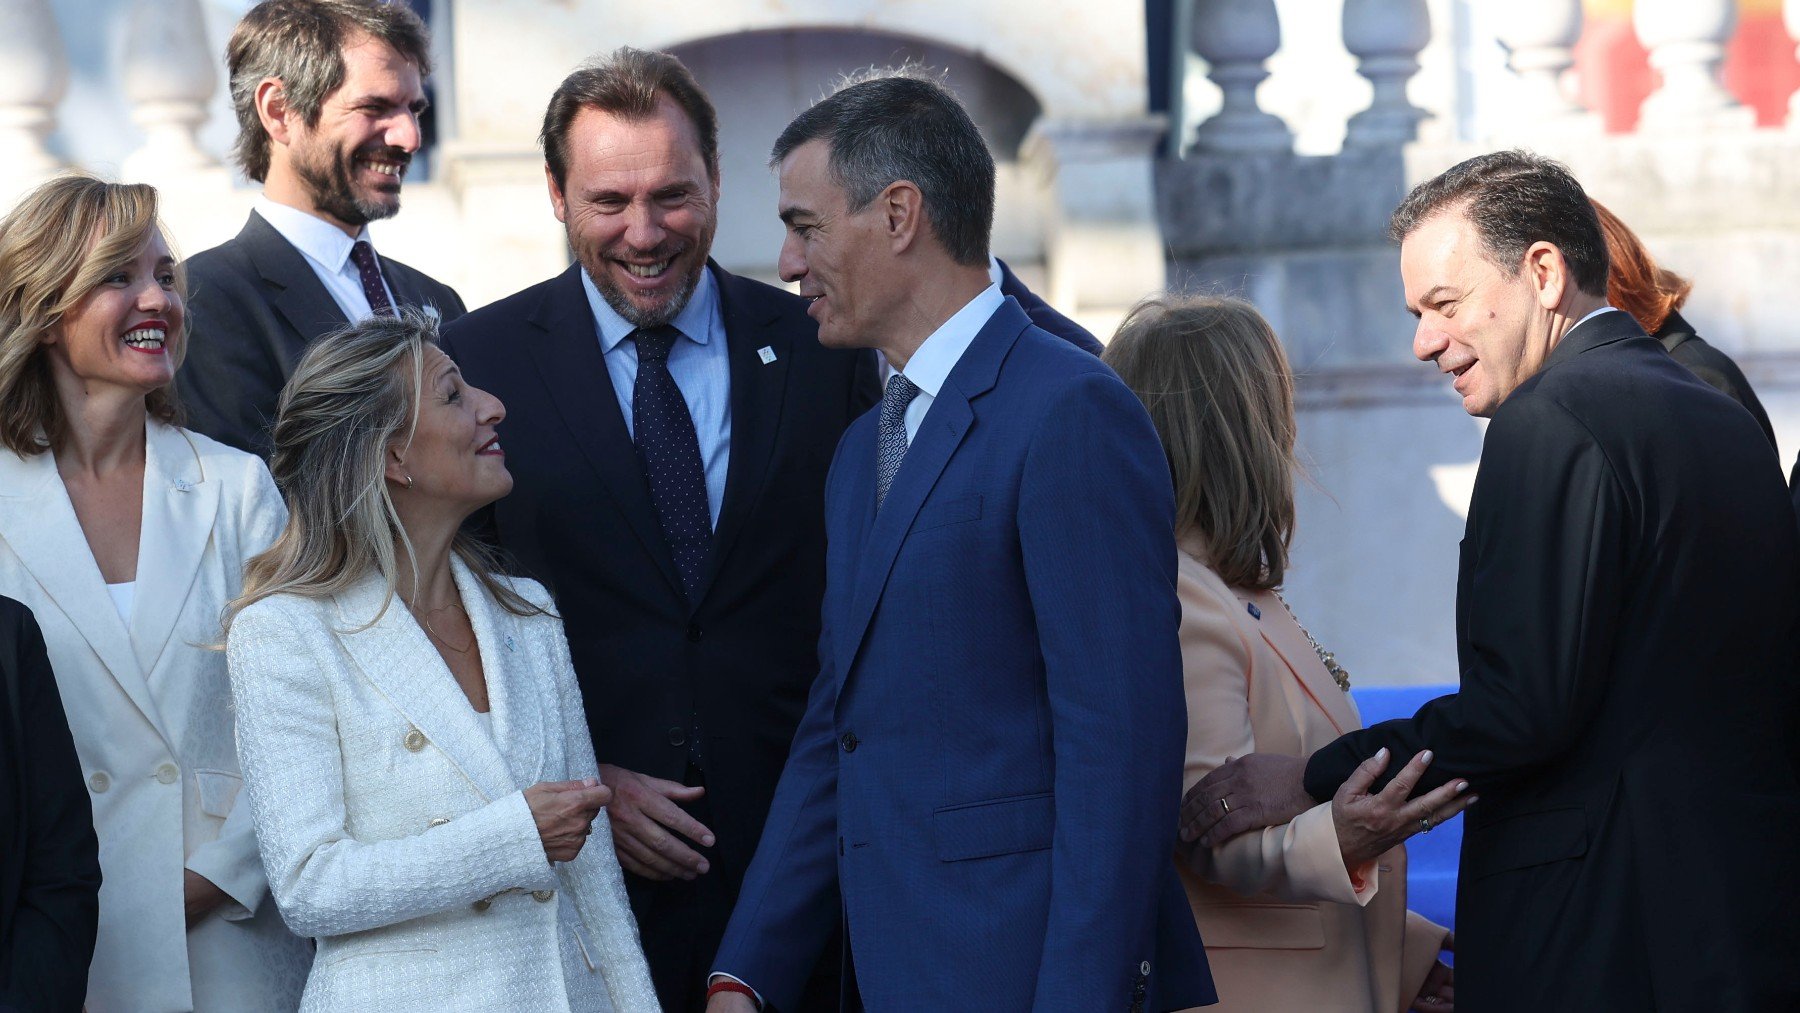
x=884 y=126
x=355 y=392
x=301 y=42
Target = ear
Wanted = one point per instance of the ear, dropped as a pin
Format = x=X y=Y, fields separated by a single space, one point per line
x=272 y=110
x=557 y=204
x=903 y=210
x=396 y=468
x=1548 y=273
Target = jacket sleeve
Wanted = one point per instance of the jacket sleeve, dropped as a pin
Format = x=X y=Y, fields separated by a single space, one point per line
x=1420 y=944
x=325 y=881
x=1096 y=536
x=232 y=861
x=1544 y=561
x=1299 y=861
x=51 y=939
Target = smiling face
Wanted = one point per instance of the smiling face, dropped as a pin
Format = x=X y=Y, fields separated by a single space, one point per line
x=351 y=162
x=640 y=208
x=1482 y=324
x=833 y=254
x=125 y=332
x=454 y=456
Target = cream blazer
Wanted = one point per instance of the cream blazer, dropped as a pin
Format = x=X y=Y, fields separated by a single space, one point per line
x=1286 y=927
x=394 y=826
x=150 y=708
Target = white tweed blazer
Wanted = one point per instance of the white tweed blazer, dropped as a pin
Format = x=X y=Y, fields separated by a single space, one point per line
x=395 y=829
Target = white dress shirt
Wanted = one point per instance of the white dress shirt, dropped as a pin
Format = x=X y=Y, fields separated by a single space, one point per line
x=700 y=366
x=930 y=366
x=327 y=252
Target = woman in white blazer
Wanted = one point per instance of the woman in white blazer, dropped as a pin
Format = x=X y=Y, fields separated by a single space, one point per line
x=126 y=536
x=413 y=741
x=1312 y=915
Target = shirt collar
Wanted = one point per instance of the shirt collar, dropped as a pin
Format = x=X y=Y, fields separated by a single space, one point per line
x=930 y=366
x=322 y=242
x=1591 y=315
x=694 y=321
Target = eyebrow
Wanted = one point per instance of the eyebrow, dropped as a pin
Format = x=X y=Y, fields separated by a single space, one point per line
x=1430 y=296
x=788 y=214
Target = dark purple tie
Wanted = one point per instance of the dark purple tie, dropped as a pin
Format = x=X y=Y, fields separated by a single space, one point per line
x=669 y=452
x=370 y=272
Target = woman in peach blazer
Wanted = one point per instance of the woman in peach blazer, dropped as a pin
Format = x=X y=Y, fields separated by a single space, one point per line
x=1310 y=916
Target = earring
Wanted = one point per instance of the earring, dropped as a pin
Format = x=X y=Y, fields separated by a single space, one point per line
x=409 y=481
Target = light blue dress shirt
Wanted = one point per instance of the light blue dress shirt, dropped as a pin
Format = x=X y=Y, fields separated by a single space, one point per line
x=700 y=363
x=930 y=366
x=327 y=252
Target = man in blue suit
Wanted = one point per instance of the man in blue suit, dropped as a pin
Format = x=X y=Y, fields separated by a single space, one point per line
x=985 y=784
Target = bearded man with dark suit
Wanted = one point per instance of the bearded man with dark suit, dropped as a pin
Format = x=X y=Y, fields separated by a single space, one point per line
x=1626 y=619
x=328 y=95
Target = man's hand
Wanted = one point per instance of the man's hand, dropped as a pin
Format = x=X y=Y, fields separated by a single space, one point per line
x=1244 y=794
x=1438 y=994
x=564 y=812
x=1368 y=824
x=200 y=896
x=730 y=1002
x=645 y=821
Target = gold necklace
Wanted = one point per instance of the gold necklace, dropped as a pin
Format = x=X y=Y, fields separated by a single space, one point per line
x=425 y=620
x=1328 y=659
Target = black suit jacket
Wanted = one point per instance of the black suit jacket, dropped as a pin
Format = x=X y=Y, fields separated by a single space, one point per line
x=1713 y=366
x=1626 y=615
x=579 y=518
x=1044 y=315
x=254 y=304
x=49 y=856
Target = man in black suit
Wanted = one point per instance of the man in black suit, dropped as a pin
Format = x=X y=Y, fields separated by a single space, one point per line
x=1626 y=622
x=669 y=428
x=328 y=95
x=49 y=856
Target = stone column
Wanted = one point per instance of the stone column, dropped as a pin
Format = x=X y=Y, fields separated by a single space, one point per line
x=1236 y=38
x=1103 y=248
x=169 y=78
x=1540 y=36
x=34 y=74
x=1686 y=40
x=1386 y=37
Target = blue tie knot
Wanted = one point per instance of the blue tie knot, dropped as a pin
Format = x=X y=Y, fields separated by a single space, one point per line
x=654 y=343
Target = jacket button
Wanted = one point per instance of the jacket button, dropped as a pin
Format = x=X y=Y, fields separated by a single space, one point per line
x=1144 y=968
x=414 y=741
x=678 y=736
x=694 y=633
x=167 y=773
x=542 y=896
x=849 y=742
x=99 y=782
x=437 y=821
x=482 y=905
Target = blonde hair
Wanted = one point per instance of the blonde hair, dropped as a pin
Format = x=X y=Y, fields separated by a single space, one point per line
x=56 y=246
x=1217 y=385
x=354 y=393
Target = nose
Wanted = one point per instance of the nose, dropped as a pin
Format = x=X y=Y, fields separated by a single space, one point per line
x=152 y=297
x=403 y=132
x=791 y=265
x=492 y=411
x=1429 y=342
x=643 y=225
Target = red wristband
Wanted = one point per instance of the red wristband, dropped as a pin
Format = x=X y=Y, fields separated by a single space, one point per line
x=727 y=985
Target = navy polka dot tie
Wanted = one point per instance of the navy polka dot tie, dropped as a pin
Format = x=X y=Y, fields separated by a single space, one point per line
x=890 y=433
x=370 y=272
x=669 y=452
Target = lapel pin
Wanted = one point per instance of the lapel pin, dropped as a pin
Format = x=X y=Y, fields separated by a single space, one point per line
x=511 y=644
x=766 y=354
x=1255 y=613
x=183 y=485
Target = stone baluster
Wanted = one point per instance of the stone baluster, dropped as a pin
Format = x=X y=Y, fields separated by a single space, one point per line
x=169 y=78
x=1540 y=37
x=1686 y=40
x=1386 y=37
x=1236 y=38
x=34 y=74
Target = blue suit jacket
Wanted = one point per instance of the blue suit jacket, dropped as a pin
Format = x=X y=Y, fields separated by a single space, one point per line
x=988 y=773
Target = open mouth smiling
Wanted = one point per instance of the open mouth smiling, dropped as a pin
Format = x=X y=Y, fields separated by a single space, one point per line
x=148 y=338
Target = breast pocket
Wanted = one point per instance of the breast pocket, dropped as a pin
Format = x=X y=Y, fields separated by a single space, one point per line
x=1002 y=826
x=218 y=791
x=943 y=513
x=1253 y=926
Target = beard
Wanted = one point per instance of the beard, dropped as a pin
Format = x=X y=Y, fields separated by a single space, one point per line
x=330 y=180
x=647 y=316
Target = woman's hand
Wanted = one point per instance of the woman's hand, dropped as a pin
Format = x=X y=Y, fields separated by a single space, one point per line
x=199 y=896
x=1438 y=994
x=565 y=812
x=1369 y=824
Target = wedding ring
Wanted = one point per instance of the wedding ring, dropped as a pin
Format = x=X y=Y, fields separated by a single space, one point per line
x=1424 y=824
x=1225 y=806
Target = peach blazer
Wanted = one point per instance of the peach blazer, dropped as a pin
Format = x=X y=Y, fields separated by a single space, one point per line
x=1286 y=926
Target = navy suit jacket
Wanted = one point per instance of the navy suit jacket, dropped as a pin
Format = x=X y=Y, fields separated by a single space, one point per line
x=1045 y=315
x=988 y=773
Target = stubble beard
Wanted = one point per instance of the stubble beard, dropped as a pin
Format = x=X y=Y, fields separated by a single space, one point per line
x=664 y=312
x=329 y=182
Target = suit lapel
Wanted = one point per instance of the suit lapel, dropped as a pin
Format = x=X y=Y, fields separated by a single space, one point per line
x=757 y=390
x=398 y=660
x=951 y=415
x=1283 y=635
x=294 y=290
x=513 y=697
x=179 y=508
x=38 y=521
x=568 y=358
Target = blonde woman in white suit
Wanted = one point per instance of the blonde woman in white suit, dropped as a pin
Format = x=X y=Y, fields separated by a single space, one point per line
x=126 y=536
x=413 y=741
x=1310 y=916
